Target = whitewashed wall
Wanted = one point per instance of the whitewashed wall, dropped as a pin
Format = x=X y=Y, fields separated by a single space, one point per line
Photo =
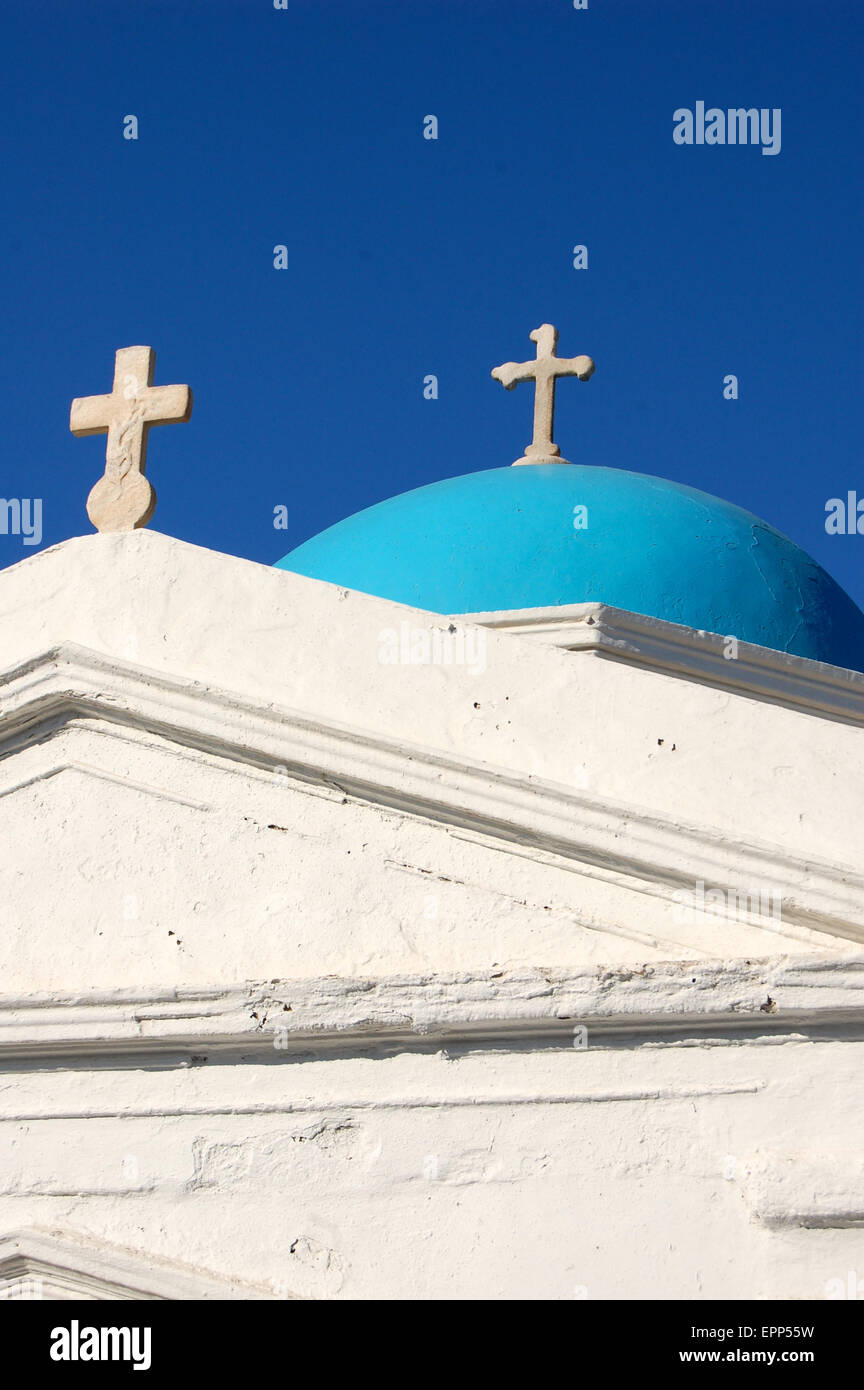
x=213 y=779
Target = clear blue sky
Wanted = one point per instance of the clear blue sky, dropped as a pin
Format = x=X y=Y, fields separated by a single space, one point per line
x=260 y=126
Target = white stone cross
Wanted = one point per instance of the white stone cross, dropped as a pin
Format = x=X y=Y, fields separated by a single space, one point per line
x=543 y=372
x=123 y=499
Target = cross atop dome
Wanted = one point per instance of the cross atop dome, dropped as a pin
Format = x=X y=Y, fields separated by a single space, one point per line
x=543 y=371
x=123 y=499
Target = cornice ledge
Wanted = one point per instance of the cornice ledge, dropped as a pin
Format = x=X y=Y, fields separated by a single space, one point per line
x=619 y=635
x=774 y=995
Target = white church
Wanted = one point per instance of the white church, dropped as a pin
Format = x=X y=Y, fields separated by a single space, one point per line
x=469 y=906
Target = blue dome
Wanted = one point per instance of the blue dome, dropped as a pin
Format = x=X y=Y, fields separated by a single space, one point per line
x=505 y=538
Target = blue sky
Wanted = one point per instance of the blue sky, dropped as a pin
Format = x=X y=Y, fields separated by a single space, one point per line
x=406 y=256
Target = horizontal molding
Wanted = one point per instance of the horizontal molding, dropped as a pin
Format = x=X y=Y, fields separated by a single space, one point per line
x=815 y=1190
x=436 y=1010
x=625 y=845
x=619 y=635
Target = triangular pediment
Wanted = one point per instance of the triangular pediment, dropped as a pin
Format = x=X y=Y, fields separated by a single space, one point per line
x=231 y=773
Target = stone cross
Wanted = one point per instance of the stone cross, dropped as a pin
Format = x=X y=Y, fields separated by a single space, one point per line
x=543 y=372
x=123 y=499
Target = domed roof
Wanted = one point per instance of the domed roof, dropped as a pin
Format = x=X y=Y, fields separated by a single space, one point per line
x=509 y=538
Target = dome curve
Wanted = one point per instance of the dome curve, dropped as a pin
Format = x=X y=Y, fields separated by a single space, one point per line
x=505 y=538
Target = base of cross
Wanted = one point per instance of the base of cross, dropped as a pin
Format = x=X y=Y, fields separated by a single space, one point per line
x=540 y=458
x=121 y=505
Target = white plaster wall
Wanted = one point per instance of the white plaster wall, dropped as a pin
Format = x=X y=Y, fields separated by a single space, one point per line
x=628 y=1171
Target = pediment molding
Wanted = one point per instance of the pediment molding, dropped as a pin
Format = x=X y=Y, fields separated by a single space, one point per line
x=38 y=1265
x=605 y=839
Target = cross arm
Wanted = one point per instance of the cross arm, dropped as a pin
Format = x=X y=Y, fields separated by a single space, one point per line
x=511 y=373
x=582 y=367
x=167 y=405
x=91 y=415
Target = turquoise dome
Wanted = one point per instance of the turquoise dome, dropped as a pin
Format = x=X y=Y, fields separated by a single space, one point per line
x=505 y=538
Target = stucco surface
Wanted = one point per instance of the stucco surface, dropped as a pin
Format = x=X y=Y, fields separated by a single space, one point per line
x=330 y=977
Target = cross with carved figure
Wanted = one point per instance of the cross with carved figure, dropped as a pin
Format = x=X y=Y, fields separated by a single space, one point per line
x=123 y=499
x=543 y=372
